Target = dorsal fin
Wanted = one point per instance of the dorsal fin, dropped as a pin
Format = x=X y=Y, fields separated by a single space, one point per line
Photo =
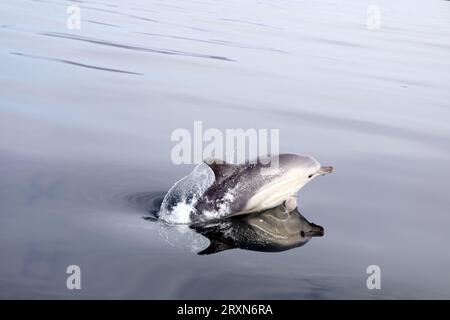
x=221 y=169
x=214 y=247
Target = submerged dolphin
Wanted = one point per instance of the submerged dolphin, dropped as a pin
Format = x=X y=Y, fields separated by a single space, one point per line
x=270 y=231
x=239 y=189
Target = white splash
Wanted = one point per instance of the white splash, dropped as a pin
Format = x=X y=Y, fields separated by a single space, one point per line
x=180 y=200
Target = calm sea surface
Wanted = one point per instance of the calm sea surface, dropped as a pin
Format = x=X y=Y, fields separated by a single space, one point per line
x=86 y=118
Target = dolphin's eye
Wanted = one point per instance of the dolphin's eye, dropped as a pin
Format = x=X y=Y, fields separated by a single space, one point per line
x=302 y=233
x=310 y=176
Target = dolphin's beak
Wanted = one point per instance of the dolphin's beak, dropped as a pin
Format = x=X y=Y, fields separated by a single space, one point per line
x=324 y=170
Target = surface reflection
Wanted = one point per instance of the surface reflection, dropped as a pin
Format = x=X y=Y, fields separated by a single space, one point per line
x=272 y=230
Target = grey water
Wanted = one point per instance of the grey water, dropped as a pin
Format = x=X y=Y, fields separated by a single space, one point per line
x=86 y=117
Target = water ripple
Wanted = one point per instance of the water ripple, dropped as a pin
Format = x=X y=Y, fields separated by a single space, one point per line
x=213 y=41
x=73 y=63
x=250 y=23
x=103 y=23
x=146 y=202
x=130 y=47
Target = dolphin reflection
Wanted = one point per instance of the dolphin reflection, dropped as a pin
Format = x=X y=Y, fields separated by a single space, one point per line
x=273 y=230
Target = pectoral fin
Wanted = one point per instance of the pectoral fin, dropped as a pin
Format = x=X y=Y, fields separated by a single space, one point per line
x=290 y=204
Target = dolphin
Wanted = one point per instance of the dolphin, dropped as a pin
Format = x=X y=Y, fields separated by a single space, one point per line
x=272 y=230
x=226 y=190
